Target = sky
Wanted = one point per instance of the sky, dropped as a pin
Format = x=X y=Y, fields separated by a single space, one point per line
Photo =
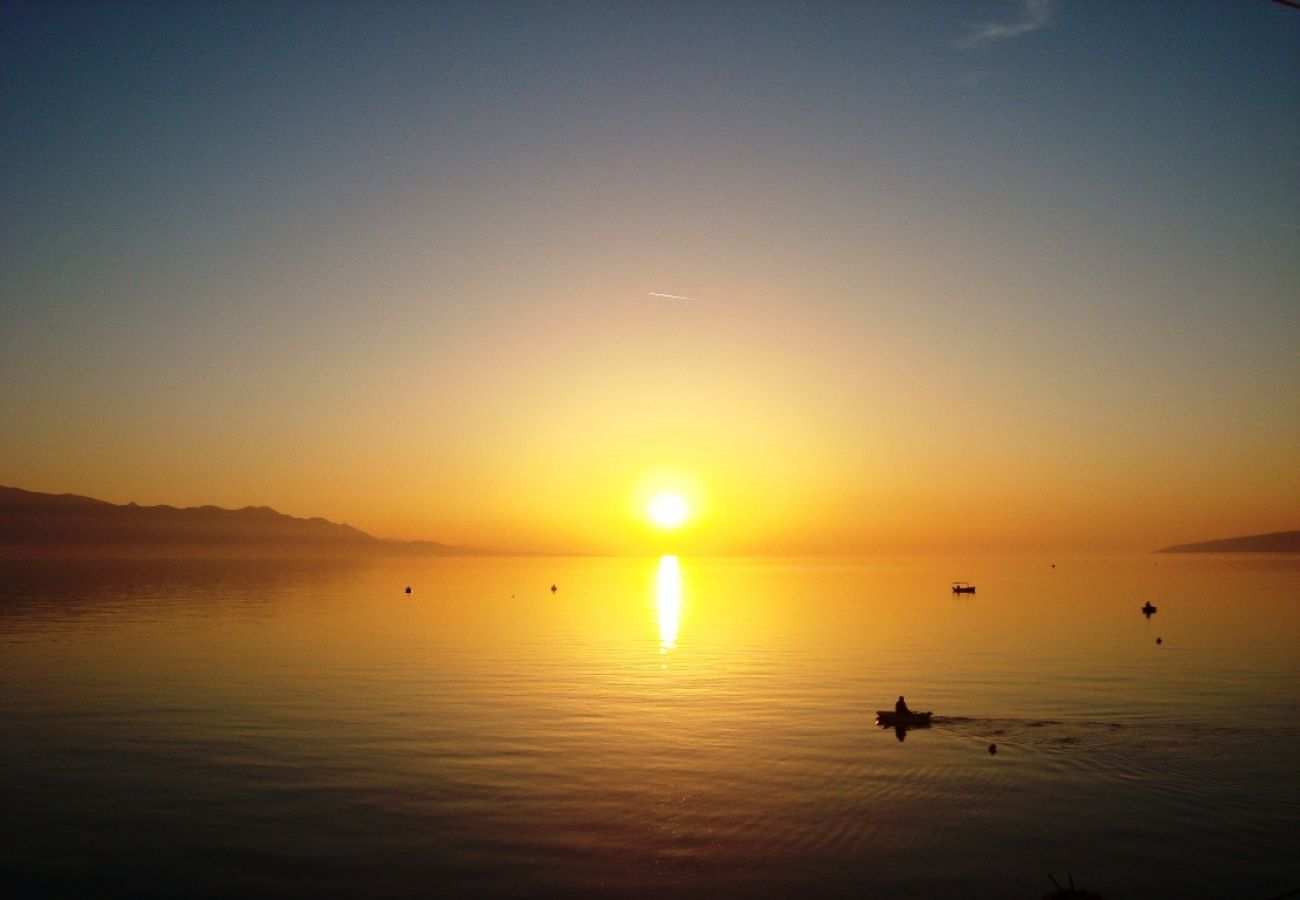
x=1004 y=276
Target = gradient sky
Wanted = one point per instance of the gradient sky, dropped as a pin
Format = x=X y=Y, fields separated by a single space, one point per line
x=965 y=276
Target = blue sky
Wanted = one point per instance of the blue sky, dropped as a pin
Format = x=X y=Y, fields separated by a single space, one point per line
x=233 y=231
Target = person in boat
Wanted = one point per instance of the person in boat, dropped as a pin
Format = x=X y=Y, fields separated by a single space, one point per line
x=900 y=708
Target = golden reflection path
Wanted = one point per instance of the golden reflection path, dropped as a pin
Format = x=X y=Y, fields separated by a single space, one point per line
x=668 y=601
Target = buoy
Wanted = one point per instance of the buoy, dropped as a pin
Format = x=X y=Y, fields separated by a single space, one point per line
x=993 y=748
x=552 y=589
x=1159 y=641
x=408 y=589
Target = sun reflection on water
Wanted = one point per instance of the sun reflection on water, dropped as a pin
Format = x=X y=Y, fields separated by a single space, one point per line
x=668 y=601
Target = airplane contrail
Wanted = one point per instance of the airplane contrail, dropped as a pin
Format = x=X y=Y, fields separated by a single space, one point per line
x=672 y=296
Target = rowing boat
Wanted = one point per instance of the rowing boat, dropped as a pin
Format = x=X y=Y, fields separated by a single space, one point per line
x=891 y=719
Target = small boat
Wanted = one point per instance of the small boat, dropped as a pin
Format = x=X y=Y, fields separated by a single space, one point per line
x=962 y=587
x=887 y=718
x=1148 y=609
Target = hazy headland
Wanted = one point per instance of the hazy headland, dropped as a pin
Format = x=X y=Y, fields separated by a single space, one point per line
x=1274 y=542
x=53 y=525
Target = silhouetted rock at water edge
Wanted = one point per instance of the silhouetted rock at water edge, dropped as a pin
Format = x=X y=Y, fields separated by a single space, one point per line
x=1274 y=542
x=37 y=524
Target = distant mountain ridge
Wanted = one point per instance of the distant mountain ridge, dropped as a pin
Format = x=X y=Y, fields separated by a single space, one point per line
x=1274 y=542
x=37 y=524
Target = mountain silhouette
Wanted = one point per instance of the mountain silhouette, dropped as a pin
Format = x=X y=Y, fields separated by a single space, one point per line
x=37 y=524
x=1274 y=542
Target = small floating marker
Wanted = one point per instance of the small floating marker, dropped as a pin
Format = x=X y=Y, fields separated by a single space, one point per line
x=408 y=589
x=553 y=589
x=993 y=749
x=1159 y=641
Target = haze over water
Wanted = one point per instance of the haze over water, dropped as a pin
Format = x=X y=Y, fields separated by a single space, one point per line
x=656 y=727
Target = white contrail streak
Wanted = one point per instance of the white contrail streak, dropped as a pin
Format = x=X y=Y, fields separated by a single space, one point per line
x=672 y=296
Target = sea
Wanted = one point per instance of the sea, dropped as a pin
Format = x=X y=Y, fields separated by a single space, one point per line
x=650 y=727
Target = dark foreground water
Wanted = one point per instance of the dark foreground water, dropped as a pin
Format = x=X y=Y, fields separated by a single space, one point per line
x=653 y=728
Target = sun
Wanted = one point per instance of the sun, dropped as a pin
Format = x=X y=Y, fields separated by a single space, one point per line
x=668 y=510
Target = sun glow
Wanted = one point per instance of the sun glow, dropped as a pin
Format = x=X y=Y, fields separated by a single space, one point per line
x=668 y=510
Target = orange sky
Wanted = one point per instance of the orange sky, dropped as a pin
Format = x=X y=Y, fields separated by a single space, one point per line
x=1031 y=287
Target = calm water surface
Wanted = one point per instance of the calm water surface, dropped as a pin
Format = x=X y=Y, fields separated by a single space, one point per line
x=654 y=728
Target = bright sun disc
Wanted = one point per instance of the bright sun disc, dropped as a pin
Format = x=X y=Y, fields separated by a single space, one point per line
x=668 y=510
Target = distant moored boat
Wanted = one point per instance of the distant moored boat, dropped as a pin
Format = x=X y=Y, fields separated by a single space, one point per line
x=962 y=587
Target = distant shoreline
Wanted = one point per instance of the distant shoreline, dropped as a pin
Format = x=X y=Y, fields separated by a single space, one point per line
x=1273 y=542
x=61 y=526
x=37 y=525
